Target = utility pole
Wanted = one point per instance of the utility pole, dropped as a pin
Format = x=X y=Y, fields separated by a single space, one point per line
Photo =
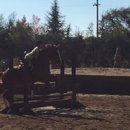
x=96 y=4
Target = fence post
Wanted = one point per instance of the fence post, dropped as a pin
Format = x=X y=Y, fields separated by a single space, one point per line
x=74 y=79
x=25 y=82
x=62 y=72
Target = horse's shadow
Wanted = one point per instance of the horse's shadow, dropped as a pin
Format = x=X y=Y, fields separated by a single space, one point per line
x=62 y=112
x=73 y=113
x=67 y=112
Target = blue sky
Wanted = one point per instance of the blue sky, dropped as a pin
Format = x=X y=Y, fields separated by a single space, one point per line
x=78 y=13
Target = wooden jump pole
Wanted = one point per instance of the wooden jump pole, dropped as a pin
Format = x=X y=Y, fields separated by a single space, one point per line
x=74 y=79
x=25 y=108
x=25 y=83
x=10 y=64
x=40 y=103
x=62 y=73
x=43 y=97
x=62 y=70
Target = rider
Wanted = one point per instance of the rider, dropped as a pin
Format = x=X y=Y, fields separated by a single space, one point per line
x=34 y=53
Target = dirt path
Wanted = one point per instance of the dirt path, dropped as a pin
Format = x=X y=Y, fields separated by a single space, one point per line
x=102 y=112
x=96 y=71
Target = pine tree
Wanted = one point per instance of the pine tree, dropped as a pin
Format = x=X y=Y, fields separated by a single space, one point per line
x=55 y=22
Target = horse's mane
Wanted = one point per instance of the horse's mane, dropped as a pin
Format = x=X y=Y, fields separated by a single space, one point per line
x=45 y=53
x=46 y=47
x=50 y=45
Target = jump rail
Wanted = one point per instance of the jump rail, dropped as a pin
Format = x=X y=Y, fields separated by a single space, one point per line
x=39 y=101
x=43 y=97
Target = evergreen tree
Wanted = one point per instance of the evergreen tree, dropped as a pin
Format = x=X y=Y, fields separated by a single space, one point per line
x=55 y=22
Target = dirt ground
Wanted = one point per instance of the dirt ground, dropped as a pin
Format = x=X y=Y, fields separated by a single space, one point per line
x=101 y=112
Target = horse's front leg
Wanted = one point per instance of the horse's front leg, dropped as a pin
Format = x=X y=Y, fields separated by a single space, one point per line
x=26 y=108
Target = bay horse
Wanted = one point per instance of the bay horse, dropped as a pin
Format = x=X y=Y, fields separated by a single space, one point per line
x=16 y=77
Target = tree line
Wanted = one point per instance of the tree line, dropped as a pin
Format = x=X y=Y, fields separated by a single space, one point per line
x=17 y=36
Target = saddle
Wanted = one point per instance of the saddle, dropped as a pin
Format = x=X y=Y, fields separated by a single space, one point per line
x=23 y=60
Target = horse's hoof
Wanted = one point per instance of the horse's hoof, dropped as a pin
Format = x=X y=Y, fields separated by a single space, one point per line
x=5 y=110
x=26 y=111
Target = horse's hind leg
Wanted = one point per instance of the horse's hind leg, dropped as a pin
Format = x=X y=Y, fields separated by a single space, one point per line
x=4 y=98
x=8 y=98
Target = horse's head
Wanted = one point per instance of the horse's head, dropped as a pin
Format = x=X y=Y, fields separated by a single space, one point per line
x=52 y=52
